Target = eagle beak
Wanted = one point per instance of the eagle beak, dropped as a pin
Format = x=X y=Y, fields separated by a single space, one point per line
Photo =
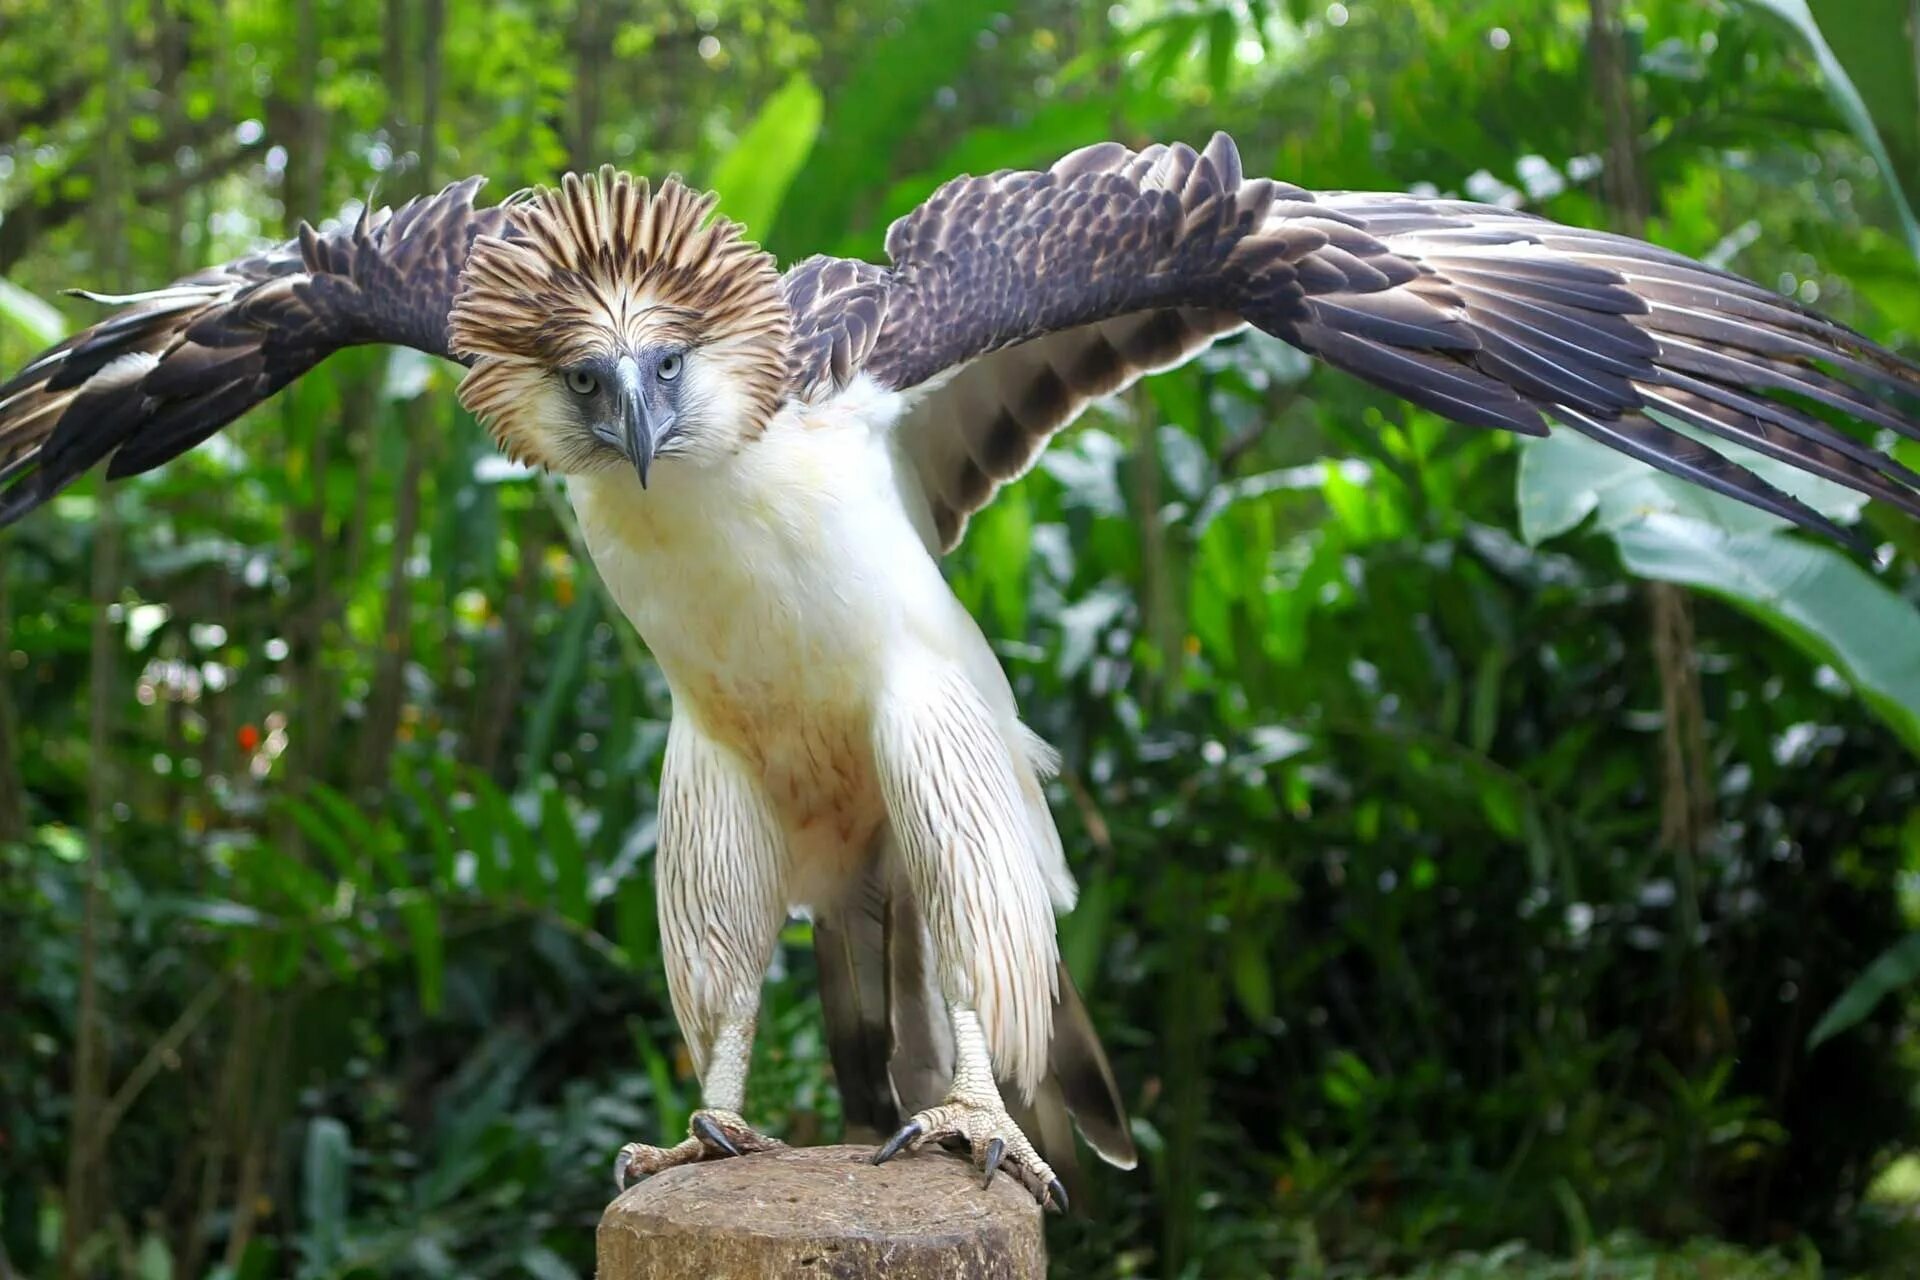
x=638 y=430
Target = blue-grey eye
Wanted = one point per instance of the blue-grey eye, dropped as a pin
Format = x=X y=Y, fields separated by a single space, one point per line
x=580 y=382
x=670 y=367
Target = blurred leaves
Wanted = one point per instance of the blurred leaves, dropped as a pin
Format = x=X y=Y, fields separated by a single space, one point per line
x=753 y=177
x=1673 y=531
x=36 y=321
x=872 y=111
x=1361 y=790
x=1896 y=968
x=1869 y=54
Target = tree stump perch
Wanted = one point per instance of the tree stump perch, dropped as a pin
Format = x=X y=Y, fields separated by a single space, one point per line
x=823 y=1212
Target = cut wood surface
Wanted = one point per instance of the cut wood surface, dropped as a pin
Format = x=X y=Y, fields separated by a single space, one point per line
x=823 y=1211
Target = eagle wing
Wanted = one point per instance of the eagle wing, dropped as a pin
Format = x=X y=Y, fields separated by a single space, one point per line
x=1014 y=299
x=175 y=365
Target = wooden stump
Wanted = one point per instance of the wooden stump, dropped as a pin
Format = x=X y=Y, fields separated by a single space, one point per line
x=823 y=1212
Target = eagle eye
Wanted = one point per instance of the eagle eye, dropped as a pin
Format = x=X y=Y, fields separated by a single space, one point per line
x=582 y=383
x=670 y=367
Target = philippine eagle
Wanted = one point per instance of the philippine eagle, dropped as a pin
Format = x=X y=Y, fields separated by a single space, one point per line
x=768 y=466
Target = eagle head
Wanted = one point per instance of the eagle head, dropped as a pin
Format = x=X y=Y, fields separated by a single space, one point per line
x=613 y=324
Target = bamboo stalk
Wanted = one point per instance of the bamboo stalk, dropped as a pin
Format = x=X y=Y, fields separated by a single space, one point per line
x=13 y=791
x=89 y=1054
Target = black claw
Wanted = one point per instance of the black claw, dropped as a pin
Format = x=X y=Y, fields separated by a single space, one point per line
x=621 y=1164
x=996 y=1152
x=710 y=1133
x=898 y=1141
x=1056 y=1196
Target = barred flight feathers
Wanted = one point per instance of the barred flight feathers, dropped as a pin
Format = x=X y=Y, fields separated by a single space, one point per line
x=1014 y=299
x=176 y=364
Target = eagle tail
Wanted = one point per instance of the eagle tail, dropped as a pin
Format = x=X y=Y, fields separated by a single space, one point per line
x=1078 y=1068
x=892 y=1045
x=850 y=947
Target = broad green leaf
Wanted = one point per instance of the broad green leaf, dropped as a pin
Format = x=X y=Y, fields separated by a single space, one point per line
x=1252 y=975
x=753 y=177
x=35 y=318
x=569 y=657
x=635 y=929
x=318 y=827
x=1811 y=594
x=1898 y=966
x=562 y=843
x=434 y=821
x=1052 y=131
x=379 y=847
x=1565 y=477
x=543 y=1263
x=323 y=1193
x=1676 y=532
x=1869 y=55
x=875 y=109
x=421 y=916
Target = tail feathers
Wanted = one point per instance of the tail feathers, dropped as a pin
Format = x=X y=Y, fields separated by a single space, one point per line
x=850 y=947
x=1078 y=1091
x=892 y=1044
x=922 y=1065
x=1078 y=1065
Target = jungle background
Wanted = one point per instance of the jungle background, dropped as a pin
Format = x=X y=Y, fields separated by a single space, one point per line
x=1495 y=861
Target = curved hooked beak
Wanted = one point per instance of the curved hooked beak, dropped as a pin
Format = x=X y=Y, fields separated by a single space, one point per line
x=640 y=431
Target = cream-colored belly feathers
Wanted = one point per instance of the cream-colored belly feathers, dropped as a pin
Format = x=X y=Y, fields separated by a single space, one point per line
x=779 y=591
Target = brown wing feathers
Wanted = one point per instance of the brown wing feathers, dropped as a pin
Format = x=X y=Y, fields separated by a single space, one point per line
x=1482 y=314
x=179 y=363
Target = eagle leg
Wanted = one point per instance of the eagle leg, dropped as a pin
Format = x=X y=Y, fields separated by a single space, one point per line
x=716 y=832
x=713 y=1134
x=716 y=1131
x=975 y=1112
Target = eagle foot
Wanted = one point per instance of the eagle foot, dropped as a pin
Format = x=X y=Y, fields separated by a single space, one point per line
x=711 y=1135
x=994 y=1139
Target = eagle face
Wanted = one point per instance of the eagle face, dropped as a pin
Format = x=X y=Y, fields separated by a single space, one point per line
x=614 y=325
x=630 y=401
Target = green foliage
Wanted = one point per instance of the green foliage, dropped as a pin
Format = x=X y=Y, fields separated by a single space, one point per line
x=35 y=320
x=1812 y=595
x=753 y=177
x=1624 y=1258
x=1897 y=967
x=1364 y=794
x=1869 y=52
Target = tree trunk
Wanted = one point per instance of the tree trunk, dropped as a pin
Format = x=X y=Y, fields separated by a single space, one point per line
x=13 y=791
x=827 y=1212
x=383 y=703
x=90 y=1049
x=1686 y=801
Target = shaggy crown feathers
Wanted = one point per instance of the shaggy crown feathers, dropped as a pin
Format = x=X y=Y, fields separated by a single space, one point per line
x=604 y=261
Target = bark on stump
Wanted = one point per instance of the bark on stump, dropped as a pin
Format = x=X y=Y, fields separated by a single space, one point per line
x=823 y=1212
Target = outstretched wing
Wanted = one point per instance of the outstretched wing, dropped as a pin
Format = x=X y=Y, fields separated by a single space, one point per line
x=1014 y=299
x=177 y=364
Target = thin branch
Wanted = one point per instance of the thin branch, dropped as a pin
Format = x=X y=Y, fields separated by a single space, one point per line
x=149 y=1066
x=27 y=223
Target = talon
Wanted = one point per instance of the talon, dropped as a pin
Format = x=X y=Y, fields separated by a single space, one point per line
x=996 y=1152
x=1056 y=1196
x=910 y=1132
x=712 y=1134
